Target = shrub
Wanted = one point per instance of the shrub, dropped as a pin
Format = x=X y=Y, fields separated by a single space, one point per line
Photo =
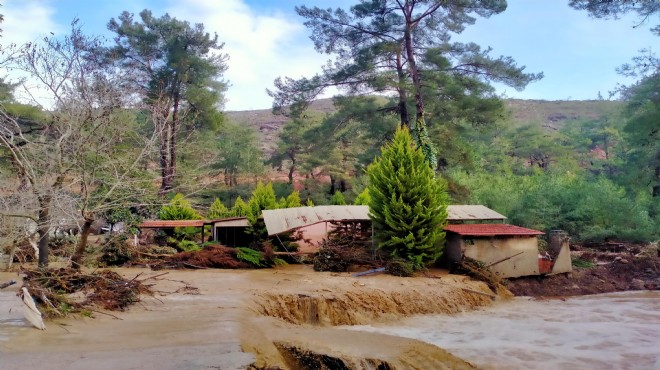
x=250 y=256
x=218 y=210
x=179 y=208
x=338 y=199
x=188 y=246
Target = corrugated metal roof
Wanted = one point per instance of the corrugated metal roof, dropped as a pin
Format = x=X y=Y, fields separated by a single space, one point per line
x=490 y=230
x=155 y=224
x=286 y=219
x=472 y=212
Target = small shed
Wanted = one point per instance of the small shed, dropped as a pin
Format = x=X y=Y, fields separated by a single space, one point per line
x=509 y=250
x=231 y=232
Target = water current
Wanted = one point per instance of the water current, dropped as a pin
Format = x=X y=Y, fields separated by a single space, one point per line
x=609 y=331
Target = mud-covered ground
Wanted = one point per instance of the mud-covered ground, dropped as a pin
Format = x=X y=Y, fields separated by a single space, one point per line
x=614 y=267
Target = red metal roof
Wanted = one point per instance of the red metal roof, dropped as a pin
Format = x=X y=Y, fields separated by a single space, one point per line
x=156 y=224
x=490 y=230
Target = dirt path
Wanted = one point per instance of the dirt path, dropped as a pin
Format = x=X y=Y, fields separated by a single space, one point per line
x=227 y=325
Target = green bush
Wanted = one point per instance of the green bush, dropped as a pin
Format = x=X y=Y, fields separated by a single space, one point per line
x=338 y=199
x=188 y=246
x=250 y=256
x=218 y=210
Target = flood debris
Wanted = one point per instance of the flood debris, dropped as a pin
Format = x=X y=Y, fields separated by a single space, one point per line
x=481 y=272
x=211 y=256
x=30 y=310
x=346 y=245
x=9 y=283
x=59 y=292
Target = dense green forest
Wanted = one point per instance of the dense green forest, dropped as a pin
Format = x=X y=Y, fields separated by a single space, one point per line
x=120 y=127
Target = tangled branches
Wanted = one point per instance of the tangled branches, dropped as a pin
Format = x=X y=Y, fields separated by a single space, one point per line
x=58 y=292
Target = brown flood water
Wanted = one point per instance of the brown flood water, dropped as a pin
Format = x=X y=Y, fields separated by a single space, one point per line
x=165 y=332
x=211 y=330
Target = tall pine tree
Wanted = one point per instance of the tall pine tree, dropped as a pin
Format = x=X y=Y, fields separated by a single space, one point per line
x=408 y=205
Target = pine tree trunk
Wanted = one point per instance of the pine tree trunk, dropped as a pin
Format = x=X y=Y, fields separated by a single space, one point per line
x=403 y=98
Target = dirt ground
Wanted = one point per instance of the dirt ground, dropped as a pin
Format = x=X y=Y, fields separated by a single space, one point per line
x=616 y=267
x=279 y=318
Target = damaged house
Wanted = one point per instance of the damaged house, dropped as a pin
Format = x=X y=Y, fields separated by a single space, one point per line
x=480 y=233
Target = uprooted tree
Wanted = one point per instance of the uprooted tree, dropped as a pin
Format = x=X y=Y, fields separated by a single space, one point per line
x=408 y=204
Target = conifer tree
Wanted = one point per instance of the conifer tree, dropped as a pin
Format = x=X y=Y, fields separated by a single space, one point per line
x=263 y=197
x=338 y=199
x=363 y=198
x=218 y=210
x=179 y=208
x=408 y=205
x=293 y=200
x=240 y=208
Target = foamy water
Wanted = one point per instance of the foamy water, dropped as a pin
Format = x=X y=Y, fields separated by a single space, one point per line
x=611 y=331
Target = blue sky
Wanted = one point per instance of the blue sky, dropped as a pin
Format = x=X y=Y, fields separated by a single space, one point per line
x=266 y=39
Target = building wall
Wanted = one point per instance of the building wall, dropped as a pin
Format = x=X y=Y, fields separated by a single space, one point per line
x=563 y=261
x=490 y=250
x=493 y=249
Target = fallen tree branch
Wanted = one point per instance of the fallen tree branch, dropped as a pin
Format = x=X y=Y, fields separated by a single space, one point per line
x=9 y=283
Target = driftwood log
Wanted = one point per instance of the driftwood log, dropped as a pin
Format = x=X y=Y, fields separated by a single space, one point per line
x=9 y=283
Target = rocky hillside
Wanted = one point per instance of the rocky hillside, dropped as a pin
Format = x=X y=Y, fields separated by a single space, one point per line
x=551 y=115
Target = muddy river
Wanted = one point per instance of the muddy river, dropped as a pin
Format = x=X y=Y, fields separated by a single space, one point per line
x=179 y=331
x=610 y=331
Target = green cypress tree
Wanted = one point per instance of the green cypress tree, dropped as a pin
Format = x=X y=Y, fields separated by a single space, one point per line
x=218 y=210
x=363 y=198
x=293 y=200
x=263 y=197
x=179 y=208
x=240 y=208
x=408 y=205
x=338 y=199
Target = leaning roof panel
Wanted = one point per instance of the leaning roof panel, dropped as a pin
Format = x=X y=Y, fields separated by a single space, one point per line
x=472 y=212
x=286 y=219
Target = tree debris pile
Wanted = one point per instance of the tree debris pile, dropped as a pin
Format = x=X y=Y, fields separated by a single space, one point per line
x=211 y=256
x=116 y=251
x=479 y=271
x=58 y=292
x=338 y=255
x=347 y=244
x=21 y=252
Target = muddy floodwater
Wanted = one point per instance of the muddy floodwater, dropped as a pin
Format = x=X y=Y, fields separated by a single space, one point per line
x=263 y=316
x=610 y=331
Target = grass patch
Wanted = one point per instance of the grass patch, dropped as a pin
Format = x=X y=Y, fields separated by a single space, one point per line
x=578 y=262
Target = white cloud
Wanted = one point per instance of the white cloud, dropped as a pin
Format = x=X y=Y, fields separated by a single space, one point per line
x=26 y=20
x=261 y=47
